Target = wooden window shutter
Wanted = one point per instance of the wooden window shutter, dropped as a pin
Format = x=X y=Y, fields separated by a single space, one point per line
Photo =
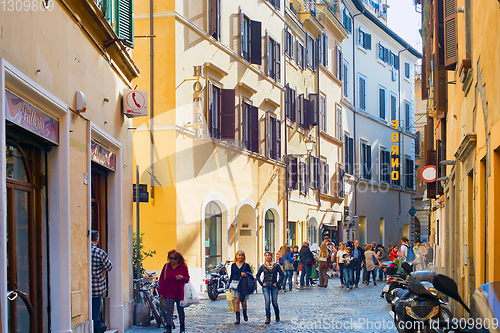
x=425 y=91
x=287 y=101
x=300 y=110
x=268 y=55
x=269 y=131
x=218 y=18
x=396 y=62
x=304 y=56
x=313 y=109
x=327 y=179
x=440 y=91
x=315 y=55
x=312 y=165
x=293 y=106
x=124 y=21
x=321 y=47
x=450 y=33
x=295 y=174
x=306 y=113
x=256 y=42
x=321 y=184
x=307 y=179
x=302 y=180
x=208 y=112
x=254 y=129
x=242 y=23
x=211 y=15
x=278 y=140
x=325 y=53
x=277 y=62
x=316 y=171
x=228 y=114
x=367 y=43
x=431 y=187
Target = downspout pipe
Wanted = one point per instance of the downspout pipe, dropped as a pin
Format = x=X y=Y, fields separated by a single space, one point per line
x=151 y=99
x=285 y=222
x=318 y=131
x=354 y=104
x=401 y=133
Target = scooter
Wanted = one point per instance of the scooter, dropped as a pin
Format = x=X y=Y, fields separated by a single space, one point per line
x=394 y=280
x=217 y=282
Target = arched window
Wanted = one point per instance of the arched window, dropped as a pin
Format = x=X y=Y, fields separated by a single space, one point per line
x=312 y=232
x=269 y=232
x=213 y=235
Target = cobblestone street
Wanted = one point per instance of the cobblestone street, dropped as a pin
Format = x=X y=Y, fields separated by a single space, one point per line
x=304 y=310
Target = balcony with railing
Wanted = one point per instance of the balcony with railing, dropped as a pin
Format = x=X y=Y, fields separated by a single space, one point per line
x=378 y=8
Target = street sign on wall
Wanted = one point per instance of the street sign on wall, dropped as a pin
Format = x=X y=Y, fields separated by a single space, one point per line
x=428 y=174
x=135 y=103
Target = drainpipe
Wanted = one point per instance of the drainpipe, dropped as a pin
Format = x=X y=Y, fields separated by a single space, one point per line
x=401 y=146
x=354 y=104
x=285 y=222
x=318 y=134
x=151 y=99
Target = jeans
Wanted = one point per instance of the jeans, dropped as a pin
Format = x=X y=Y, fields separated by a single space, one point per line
x=357 y=270
x=366 y=276
x=306 y=272
x=288 y=277
x=341 y=269
x=381 y=274
x=271 y=293
x=349 y=276
x=96 y=313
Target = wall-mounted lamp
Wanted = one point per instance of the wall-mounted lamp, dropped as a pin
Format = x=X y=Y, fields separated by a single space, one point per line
x=447 y=162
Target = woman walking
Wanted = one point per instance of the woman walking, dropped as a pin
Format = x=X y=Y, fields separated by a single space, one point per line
x=288 y=265
x=370 y=259
x=239 y=269
x=323 y=265
x=340 y=263
x=270 y=284
x=171 y=287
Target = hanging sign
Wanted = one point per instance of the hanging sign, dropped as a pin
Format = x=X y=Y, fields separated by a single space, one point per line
x=29 y=117
x=135 y=103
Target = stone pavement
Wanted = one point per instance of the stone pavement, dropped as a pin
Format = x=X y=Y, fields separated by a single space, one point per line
x=303 y=310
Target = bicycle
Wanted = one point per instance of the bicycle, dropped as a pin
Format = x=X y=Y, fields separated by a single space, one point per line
x=149 y=296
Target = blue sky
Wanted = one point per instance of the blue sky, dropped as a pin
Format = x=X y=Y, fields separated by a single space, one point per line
x=405 y=21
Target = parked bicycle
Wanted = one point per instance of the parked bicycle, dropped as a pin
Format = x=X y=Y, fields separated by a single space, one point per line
x=148 y=295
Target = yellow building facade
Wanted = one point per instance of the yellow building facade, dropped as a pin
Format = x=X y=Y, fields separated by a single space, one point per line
x=465 y=221
x=67 y=163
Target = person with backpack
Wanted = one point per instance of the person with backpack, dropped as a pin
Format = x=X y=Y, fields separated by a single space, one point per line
x=306 y=261
x=406 y=251
x=288 y=260
x=382 y=255
x=270 y=284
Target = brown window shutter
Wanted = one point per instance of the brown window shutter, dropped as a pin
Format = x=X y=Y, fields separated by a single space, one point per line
x=424 y=83
x=228 y=114
x=242 y=21
x=450 y=33
x=327 y=178
x=269 y=131
x=321 y=176
x=439 y=26
x=277 y=62
x=268 y=55
x=293 y=106
x=431 y=187
x=211 y=15
x=440 y=91
x=295 y=174
x=313 y=109
x=278 y=140
x=256 y=42
x=254 y=129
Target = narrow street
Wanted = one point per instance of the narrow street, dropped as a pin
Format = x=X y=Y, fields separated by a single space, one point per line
x=303 y=310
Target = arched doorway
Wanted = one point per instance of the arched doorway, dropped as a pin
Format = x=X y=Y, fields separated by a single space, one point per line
x=247 y=233
x=269 y=232
x=213 y=235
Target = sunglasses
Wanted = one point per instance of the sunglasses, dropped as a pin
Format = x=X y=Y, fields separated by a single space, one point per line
x=173 y=258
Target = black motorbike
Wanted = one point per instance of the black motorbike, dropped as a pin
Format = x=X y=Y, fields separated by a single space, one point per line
x=394 y=280
x=218 y=281
x=418 y=303
x=484 y=313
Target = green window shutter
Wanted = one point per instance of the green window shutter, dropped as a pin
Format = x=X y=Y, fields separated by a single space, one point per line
x=124 y=21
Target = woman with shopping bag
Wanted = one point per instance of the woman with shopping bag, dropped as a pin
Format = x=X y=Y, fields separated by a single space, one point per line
x=239 y=269
x=174 y=276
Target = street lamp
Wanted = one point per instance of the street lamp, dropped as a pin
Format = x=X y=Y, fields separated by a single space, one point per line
x=309 y=144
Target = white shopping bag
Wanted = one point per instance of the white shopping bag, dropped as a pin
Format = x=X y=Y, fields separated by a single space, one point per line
x=190 y=295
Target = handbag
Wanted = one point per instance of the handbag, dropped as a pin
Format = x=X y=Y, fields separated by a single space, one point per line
x=288 y=265
x=375 y=261
x=190 y=295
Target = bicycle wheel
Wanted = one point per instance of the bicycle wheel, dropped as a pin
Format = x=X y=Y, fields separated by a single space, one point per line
x=154 y=310
x=163 y=315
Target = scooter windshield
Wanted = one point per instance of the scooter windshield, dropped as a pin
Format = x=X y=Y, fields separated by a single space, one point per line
x=485 y=308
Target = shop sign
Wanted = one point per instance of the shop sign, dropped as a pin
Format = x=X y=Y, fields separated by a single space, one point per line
x=103 y=156
x=135 y=103
x=29 y=117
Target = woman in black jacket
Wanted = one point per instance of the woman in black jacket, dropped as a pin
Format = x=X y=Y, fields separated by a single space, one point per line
x=238 y=269
x=270 y=284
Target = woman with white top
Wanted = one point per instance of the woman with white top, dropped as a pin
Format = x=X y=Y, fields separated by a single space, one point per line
x=340 y=263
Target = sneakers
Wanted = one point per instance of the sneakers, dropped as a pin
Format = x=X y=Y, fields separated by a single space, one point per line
x=355 y=286
x=347 y=289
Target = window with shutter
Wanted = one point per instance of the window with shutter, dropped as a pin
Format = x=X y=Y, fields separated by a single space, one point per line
x=346 y=79
x=325 y=48
x=321 y=176
x=293 y=107
x=320 y=48
x=277 y=61
x=367 y=42
x=246 y=125
x=450 y=34
x=313 y=109
x=407 y=70
x=124 y=21
x=340 y=182
x=327 y=179
x=409 y=173
x=294 y=176
x=300 y=111
x=254 y=131
x=289 y=46
x=339 y=62
x=394 y=107
x=349 y=155
x=214 y=111
x=269 y=55
x=366 y=159
x=306 y=114
x=244 y=36
x=312 y=165
x=228 y=114
x=256 y=42
x=362 y=93
x=309 y=51
x=407 y=116
x=322 y=113
x=214 y=18
x=382 y=101
x=302 y=170
x=277 y=140
x=338 y=120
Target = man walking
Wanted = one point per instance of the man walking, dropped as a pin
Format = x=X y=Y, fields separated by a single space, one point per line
x=405 y=249
x=100 y=264
x=306 y=261
x=359 y=258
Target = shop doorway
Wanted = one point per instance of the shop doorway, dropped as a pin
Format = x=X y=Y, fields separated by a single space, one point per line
x=26 y=249
x=269 y=233
x=99 y=190
x=213 y=235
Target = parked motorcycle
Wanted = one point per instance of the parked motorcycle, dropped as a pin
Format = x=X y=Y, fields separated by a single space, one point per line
x=218 y=281
x=421 y=302
x=394 y=280
x=484 y=313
